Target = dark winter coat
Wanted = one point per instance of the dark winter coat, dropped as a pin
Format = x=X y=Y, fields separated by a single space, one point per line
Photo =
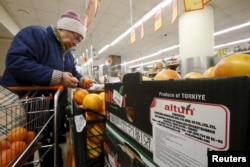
x=34 y=53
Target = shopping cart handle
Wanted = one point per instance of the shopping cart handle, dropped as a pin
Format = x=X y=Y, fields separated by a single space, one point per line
x=32 y=88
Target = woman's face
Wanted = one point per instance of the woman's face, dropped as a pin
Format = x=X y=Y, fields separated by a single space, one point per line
x=70 y=39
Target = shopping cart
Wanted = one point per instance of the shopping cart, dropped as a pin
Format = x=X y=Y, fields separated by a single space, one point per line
x=40 y=110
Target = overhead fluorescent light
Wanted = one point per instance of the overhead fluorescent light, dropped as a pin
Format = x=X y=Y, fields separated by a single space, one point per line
x=120 y=37
x=215 y=47
x=146 y=63
x=232 y=43
x=163 y=4
x=175 y=46
x=103 y=49
x=155 y=54
x=232 y=28
x=151 y=62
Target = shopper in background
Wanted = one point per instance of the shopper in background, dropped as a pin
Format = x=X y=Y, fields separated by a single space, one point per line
x=42 y=56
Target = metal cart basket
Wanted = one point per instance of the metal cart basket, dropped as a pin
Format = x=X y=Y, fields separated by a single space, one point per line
x=32 y=113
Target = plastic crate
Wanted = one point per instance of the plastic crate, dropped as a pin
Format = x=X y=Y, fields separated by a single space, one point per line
x=87 y=137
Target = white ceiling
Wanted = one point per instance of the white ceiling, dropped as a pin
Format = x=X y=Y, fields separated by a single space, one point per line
x=114 y=18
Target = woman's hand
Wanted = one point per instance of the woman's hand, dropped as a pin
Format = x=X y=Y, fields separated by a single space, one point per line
x=68 y=80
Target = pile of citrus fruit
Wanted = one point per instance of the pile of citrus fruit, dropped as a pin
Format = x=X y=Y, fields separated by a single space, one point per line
x=93 y=105
x=232 y=65
x=17 y=140
x=92 y=101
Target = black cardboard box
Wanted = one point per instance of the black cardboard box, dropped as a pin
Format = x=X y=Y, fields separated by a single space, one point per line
x=186 y=117
x=121 y=151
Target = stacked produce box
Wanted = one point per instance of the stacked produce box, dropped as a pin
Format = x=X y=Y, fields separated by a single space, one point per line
x=177 y=122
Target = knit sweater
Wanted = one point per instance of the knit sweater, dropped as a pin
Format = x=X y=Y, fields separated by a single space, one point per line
x=36 y=57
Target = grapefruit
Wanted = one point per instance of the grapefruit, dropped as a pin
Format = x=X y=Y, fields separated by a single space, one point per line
x=193 y=75
x=233 y=65
x=102 y=94
x=209 y=72
x=93 y=101
x=103 y=110
x=167 y=74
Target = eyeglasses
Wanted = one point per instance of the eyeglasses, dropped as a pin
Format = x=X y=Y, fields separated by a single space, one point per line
x=78 y=38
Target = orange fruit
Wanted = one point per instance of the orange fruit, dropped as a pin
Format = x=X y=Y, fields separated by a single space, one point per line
x=87 y=82
x=167 y=74
x=93 y=101
x=79 y=95
x=17 y=147
x=6 y=156
x=17 y=134
x=233 y=65
x=193 y=75
x=30 y=136
x=209 y=72
x=3 y=144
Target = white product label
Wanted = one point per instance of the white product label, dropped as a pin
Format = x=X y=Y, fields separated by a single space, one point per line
x=111 y=161
x=117 y=98
x=186 y=130
x=80 y=122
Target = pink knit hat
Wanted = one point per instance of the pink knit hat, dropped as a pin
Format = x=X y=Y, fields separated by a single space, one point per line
x=71 y=21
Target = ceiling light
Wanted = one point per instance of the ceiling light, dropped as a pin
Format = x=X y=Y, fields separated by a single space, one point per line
x=155 y=54
x=120 y=37
x=103 y=49
x=155 y=9
x=163 y=4
x=143 y=64
x=215 y=47
x=232 y=28
x=232 y=43
x=177 y=46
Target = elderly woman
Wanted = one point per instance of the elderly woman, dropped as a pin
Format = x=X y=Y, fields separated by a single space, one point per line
x=42 y=56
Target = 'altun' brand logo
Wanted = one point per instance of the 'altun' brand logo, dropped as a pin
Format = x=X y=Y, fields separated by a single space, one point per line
x=180 y=109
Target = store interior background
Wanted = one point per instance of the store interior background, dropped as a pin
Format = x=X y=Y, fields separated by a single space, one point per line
x=114 y=18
